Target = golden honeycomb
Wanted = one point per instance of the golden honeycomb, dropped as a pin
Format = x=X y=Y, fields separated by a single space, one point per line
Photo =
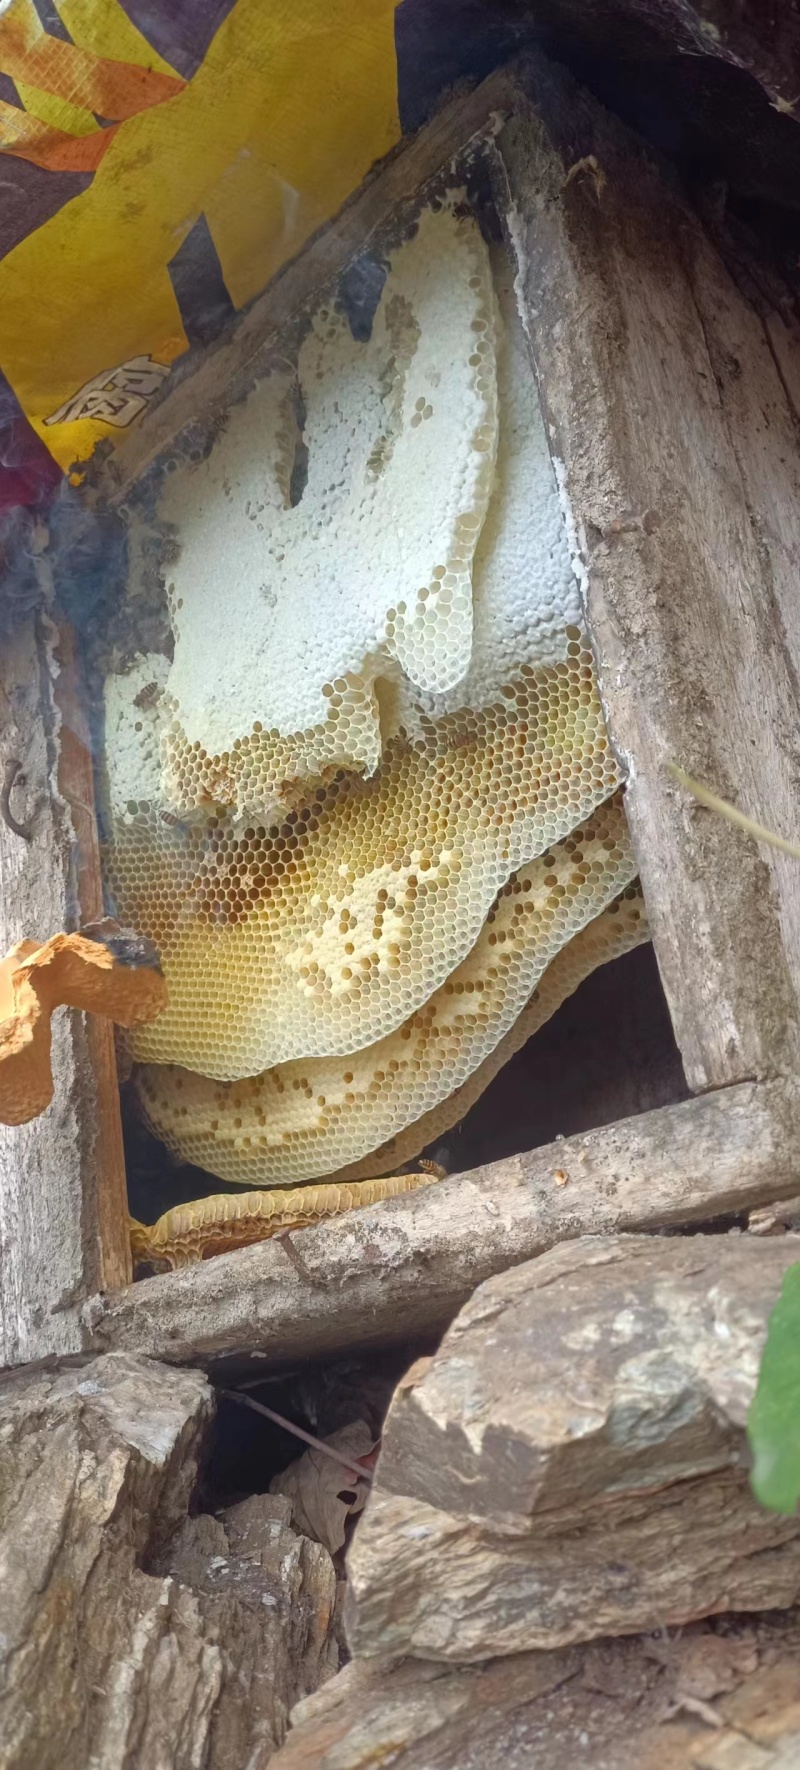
x=615 y=931
x=322 y=937
x=310 y=1117
x=368 y=811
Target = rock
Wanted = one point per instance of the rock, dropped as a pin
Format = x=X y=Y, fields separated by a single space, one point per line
x=612 y=1705
x=573 y=1461
x=775 y=1219
x=267 y=1600
x=132 y=1634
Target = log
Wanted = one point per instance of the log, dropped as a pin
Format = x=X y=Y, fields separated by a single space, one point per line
x=401 y=1270
x=573 y=1462
x=196 y=1661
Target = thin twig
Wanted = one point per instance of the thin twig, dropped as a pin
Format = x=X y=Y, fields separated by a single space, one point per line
x=12 y=769
x=281 y=1376
x=714 y=803
x=295 y=1258
x=353 y=1467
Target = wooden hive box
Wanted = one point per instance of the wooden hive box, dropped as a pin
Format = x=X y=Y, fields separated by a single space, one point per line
x=670 y=401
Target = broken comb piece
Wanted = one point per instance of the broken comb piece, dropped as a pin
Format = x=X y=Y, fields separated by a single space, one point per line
x=114 y=973
x=217 y=1224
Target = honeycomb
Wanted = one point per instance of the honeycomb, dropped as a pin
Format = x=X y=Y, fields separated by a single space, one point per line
x=309 y=1117
x=134 y=730
x=366 y=813
x=322 y=937
x=364 y=572
x=524 y=589
x=614 y=932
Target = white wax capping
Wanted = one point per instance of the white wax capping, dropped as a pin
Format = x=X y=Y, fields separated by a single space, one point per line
x=134 y=723
x=525 y=594
x=278 y=607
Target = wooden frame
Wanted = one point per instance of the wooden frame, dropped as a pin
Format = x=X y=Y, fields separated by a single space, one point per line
x=670 y=406
x=674 y=419
x=401 y=1271
x=62 y=1179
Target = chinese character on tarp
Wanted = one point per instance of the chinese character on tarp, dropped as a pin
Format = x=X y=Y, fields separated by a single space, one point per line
x=116 y=396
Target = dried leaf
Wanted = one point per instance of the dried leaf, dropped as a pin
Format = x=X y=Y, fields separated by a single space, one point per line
x=322 y=1496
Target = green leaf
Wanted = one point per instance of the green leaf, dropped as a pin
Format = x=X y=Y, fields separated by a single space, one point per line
x=773 y=1425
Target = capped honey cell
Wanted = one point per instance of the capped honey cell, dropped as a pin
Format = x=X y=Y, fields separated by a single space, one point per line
x=313 y=1116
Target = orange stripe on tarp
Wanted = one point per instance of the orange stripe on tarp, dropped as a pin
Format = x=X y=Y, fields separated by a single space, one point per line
x=114 y=89
x=48 y=147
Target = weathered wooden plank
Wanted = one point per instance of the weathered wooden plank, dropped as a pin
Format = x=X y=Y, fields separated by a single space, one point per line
x=76 y=785
x=689 y=526
x=53 y=1171
x=402 y=1270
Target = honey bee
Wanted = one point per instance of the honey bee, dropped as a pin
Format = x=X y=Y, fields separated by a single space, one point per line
x=147 y=697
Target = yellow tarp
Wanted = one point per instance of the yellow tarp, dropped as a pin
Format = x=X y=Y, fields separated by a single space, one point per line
x=291 y=103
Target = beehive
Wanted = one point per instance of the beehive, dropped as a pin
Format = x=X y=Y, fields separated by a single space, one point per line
x=392 y=925
x=310 y=1117
x=326 y=934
